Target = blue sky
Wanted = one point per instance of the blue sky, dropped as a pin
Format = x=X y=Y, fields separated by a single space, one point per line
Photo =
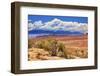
x=46 y=24
x=46 y=18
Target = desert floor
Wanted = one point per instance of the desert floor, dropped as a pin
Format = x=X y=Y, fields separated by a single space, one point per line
x=75 y=47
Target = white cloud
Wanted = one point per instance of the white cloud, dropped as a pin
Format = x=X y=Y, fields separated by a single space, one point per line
x=30 y=26
x=35 y=25
x=57 y=24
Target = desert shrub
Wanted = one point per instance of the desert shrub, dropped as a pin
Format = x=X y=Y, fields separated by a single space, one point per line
x=39 y=44
x=30 y=43
x=54 y=47
x=82 y=53
x=61 y=49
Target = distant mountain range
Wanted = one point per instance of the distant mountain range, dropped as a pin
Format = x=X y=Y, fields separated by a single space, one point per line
x=58 y=32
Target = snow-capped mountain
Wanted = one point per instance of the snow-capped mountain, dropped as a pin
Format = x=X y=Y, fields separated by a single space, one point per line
x=57 y=26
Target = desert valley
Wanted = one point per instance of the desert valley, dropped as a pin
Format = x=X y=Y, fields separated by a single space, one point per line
x=58 y=47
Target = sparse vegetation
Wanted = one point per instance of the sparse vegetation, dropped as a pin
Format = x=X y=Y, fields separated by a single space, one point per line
x=54 y=47
x=49 y=48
